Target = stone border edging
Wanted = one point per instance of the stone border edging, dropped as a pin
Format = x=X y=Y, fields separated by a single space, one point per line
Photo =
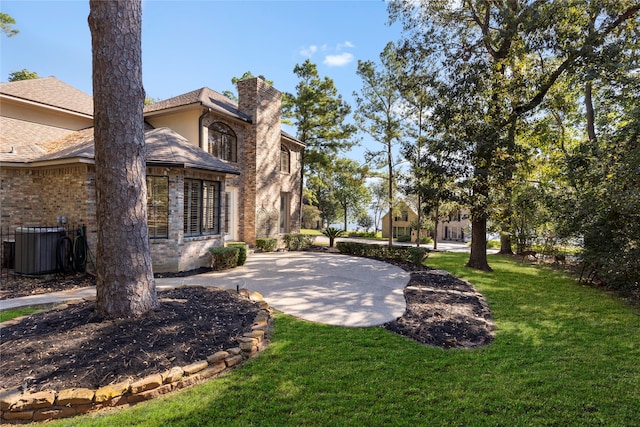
x=51 y=404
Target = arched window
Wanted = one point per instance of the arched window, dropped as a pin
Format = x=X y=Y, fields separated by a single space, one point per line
x=223 y=142
x=285 y=159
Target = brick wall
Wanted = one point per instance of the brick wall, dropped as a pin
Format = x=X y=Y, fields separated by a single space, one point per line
x=37 y=197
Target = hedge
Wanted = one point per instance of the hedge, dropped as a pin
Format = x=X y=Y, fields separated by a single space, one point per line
x=267 y=244
x=242 y=251
x=412 y=254
x=224 y=258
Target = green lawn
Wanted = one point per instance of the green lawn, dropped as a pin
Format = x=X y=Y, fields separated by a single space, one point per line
x=12 y=313
x=564 y=355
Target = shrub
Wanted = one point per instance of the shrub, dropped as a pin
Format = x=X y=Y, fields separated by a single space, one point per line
x=410 y=254
x=224 y=258
x=418 y=255
x=363 y=234
x=403 y=238
x=332 y=233
x=267 y=244
x=242 y=251
x=425 y=240
x=296 y=241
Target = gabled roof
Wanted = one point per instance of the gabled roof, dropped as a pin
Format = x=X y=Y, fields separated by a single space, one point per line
x=205 y=97
x=164 y=147
x=51 y=92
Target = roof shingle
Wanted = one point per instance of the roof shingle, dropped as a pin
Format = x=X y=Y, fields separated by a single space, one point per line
x=52 y=92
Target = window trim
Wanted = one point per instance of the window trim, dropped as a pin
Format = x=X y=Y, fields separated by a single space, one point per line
x=226 y=146
x=152 y=203
x=285 y=153
x=208 y=212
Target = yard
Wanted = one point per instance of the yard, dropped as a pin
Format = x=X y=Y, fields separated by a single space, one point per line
x=564 y=354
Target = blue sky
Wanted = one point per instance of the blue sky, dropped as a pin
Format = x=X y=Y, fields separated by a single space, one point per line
x=187 y=45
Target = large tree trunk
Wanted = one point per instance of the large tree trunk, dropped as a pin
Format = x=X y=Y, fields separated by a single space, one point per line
x=588 y=103
x=125 y=283
x=505 y=243
x=478 y=256
x=435 y=227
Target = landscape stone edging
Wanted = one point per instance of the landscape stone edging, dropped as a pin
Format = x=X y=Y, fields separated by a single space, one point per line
x=51 y=404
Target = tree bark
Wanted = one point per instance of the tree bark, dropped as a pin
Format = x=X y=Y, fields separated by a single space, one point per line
x=505 y=244
x=125 y=283
x=435 y=227
x=478 y=256
x=588 y=103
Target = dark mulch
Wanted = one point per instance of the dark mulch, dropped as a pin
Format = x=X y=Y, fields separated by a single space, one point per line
x=71 y=346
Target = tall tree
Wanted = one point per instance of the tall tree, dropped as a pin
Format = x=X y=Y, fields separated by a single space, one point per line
x=501 y=60
x=125 y=283
x=6 y=25
x=379 y=112
x=349 y=188
x=23 y=74
x=320 y=116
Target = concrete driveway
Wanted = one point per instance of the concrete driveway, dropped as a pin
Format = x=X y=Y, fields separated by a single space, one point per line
x=327 y=288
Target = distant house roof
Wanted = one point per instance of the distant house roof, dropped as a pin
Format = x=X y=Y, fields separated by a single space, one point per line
x=203 y=96
x=164 y=147
x=51 y=92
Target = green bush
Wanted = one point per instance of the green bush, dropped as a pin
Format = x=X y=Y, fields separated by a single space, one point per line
x=410 y=254
x=297 y=241
x=242 y=251
x=403 y=238
x=425 y=240
x=267 y=244
x=224 y=258
x=363 y=234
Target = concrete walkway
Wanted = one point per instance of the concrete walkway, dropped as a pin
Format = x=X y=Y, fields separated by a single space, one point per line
x=328 y=288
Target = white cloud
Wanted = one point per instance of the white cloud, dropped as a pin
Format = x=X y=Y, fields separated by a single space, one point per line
x=338 y=60
x=346 y=44
x=308 y=51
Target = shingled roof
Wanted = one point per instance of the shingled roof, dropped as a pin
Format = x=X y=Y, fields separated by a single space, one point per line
x=164 y=147
x=51 y=92
x=203 y=96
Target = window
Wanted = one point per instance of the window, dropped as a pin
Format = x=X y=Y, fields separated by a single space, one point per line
x=285 y=159
x=201 y=207
x=223 y=142
x=284 y=212
x=404 y=216
x=158 y=206
x=401 y=231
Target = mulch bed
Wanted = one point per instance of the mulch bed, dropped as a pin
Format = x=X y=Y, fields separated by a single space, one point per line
x=71 y=346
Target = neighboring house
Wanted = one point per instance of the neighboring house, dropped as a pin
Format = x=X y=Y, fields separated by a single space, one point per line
x=403 y=218
x=456 y=227
x=216 y=171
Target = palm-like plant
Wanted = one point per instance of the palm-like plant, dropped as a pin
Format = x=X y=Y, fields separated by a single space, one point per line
x=332 y=233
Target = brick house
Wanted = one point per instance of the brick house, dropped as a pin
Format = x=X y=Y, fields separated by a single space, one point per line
x=216 y=170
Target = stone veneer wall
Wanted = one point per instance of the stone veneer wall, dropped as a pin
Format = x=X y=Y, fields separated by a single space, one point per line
x=51 y=404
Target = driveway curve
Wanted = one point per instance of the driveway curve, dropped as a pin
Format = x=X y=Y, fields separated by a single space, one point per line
x=327 y=288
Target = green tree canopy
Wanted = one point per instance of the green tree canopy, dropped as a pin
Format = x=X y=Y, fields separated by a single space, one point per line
x=23 y=74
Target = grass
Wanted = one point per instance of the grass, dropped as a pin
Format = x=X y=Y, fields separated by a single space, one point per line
x=563 y=355
x=12 y=313
x=311 y=232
